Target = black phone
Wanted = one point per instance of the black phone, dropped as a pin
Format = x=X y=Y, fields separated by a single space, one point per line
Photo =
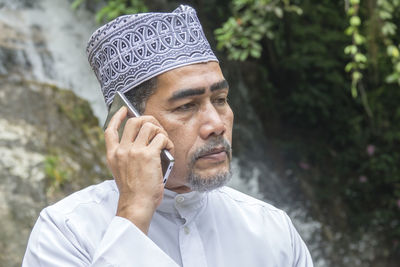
x=120 y=100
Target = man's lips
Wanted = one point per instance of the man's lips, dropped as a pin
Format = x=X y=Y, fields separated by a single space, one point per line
x=218 y=154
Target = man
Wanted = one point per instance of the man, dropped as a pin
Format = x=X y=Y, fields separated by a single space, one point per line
x=165 y=66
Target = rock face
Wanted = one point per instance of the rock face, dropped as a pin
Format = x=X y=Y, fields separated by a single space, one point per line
x=50 y=146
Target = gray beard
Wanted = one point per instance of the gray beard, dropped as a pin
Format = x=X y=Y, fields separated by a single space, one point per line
x=203 y=184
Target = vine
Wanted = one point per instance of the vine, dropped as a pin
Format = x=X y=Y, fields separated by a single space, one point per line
x=388 y=30
x=358 y=59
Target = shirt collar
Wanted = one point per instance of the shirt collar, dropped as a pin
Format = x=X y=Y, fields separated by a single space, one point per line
x=186 y=205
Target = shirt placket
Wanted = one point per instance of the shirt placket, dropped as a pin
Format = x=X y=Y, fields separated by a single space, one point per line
x=190 y=242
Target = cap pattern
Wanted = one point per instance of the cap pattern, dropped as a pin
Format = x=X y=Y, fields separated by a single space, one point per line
x=134 y=48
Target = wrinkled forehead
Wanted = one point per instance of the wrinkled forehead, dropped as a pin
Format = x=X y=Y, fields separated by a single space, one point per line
x=190 y=80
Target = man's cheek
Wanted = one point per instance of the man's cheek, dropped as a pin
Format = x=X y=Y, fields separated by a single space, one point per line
x=182 y=153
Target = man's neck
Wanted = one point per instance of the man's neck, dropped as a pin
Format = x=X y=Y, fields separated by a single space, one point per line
x=179 y=189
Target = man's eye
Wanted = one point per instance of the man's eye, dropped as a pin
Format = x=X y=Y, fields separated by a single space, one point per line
x=185 y=107
x=221 y=100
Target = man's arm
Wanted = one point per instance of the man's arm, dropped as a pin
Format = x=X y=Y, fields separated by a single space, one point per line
x=54 y=243
x=136 y=165
x=301 y=255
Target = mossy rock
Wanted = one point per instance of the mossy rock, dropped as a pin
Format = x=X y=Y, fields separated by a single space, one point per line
x=50 y=145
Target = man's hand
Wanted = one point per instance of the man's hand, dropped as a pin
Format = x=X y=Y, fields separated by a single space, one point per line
x=136 y=165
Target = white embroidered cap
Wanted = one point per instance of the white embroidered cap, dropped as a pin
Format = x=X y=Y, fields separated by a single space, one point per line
x=132 y=49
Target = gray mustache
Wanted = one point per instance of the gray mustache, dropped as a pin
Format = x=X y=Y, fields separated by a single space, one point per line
x=210 y=146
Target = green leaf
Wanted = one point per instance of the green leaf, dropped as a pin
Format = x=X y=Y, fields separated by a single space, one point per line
x=389 y=29
x=244 y=55
x=392 y=51
x=355 y=21
x=356 y=76
x=235 y=54
x=256 y=36
x=113 y=14
x=77 y=3
x=385 y=15
x=358 y=38
x=350 y=30
x=295 y=9
x=270 y=35
x=350 y=49
x=351 y=11
x=392 y=78
x=354 y=91
x=255 y=53
x=349 y=66
x=278 y=12
x=360 y=58
x=395 y=52
x=101 y=14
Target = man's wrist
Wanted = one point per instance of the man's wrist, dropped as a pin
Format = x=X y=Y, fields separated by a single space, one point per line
x=140 y=214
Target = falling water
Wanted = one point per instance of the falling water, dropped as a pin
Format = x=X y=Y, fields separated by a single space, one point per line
x=56 y=45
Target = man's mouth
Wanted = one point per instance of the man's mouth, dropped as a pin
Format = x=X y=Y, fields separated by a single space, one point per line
x=216 y=154
x=216 y=151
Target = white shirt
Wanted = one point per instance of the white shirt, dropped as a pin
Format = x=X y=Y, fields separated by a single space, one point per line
x=220 y=228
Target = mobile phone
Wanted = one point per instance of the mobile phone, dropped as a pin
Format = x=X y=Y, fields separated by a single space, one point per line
x=120 y=100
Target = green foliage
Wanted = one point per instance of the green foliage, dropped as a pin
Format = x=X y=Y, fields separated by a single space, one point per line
x=252 y=21
x=57 y=173
x=350 y=143
x=359 y=60
x=115 y=8
x=386 y=9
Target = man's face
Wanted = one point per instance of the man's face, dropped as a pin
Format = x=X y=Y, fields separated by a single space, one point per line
x=191 y=104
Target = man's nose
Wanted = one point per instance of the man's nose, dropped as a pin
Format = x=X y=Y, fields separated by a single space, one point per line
x=211 y=122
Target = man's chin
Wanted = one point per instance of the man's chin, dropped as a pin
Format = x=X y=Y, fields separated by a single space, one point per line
x=203 y=183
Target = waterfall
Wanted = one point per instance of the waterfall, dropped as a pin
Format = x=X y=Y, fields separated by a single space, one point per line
x=56 y=46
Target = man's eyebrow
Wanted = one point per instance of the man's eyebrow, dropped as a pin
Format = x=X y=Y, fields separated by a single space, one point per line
x=198 y=91
x=219 y=85
x=186 y=93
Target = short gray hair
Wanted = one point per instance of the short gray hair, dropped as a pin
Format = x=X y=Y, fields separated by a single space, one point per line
x=139 y=95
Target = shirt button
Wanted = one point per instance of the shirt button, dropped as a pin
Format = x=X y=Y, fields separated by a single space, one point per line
x=180 y=199
x=186 y=230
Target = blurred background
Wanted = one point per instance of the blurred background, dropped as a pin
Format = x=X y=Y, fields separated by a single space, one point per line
x=315 y=87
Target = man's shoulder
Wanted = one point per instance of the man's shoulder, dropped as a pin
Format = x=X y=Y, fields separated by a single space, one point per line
x=244 y=200
x=250 y=214
x=92 y=197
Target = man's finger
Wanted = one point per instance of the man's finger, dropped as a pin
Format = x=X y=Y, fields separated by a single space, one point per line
x=133 y=127
x=151 y=119
x=111 y=133
x=147 y=133
x=160 y=142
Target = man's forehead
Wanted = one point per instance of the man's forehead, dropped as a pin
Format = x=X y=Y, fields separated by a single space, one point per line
x=196 y=77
